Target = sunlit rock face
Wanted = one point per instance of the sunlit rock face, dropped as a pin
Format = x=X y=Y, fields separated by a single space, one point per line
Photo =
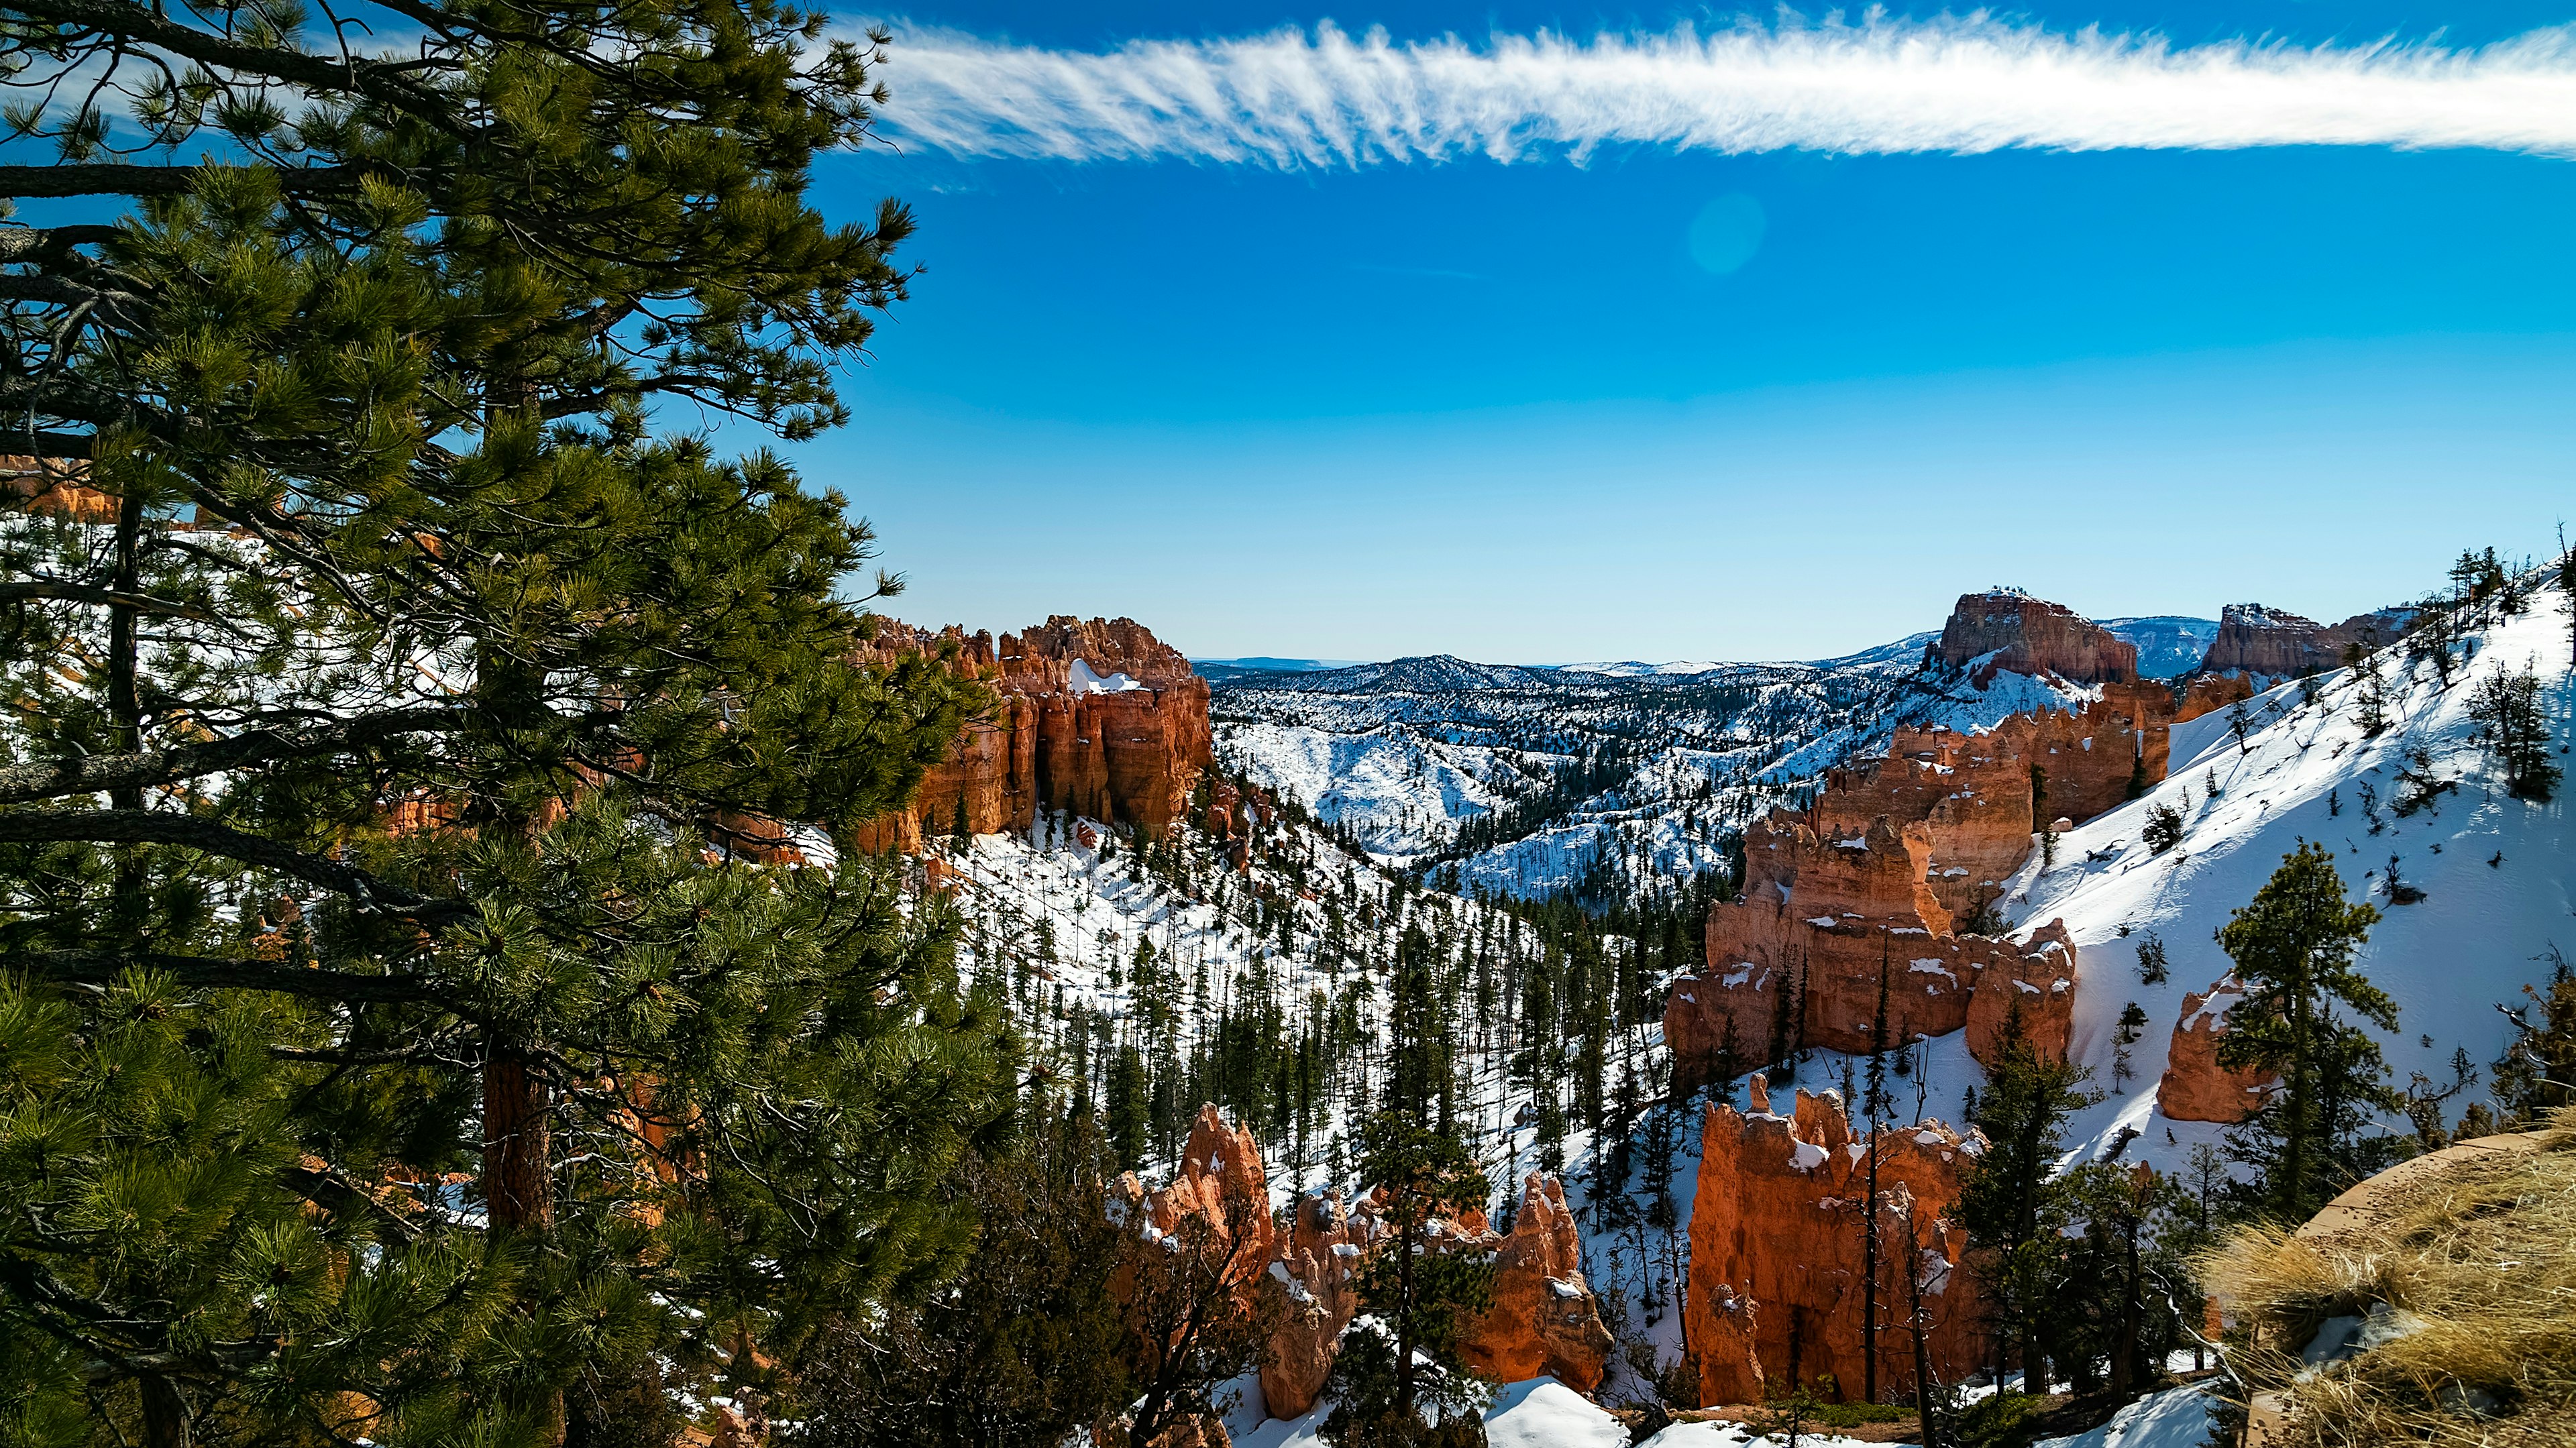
x=2279 y=644
x=2195 y=1087
x=1780 y=1259
x=2006 y=630
x=1097 y=717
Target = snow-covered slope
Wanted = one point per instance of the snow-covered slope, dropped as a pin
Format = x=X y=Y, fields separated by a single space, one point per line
x=2498 y=873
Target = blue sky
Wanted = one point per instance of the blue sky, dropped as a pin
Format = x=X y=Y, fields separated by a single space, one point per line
x=1662 y=401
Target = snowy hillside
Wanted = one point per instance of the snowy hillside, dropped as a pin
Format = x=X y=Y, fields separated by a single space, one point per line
x=1614 y=780
x=2498 y=874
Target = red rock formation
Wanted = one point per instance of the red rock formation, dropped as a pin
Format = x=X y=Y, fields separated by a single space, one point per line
x=2209 y=693
x=1544 y=1318
x=1974 y=792
x=1779 y=1262
x=2195 y=1087
x=2029 y=635
x=53 y=487
x=2034 y=992
x=1221 y=1163
x=1889 y=871
x=1797 y=958
x=1313 y=1278
x=1097 y=717
x=2278 y=644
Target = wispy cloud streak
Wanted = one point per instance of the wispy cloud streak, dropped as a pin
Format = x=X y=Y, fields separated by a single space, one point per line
x=1328 y=98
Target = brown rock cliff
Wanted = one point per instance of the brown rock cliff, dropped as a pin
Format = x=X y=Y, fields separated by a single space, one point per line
x=1779 y=1260
x=2030 y=635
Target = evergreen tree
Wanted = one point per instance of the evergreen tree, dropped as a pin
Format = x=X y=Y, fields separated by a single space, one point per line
x=2537 y=1072
x=1400 y=1381
x=394 y=622
x=2293 y=948
x=1029 y=1346
x=2008 y=1201
x=2516 y=730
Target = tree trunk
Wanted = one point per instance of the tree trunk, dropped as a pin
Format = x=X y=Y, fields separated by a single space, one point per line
x=165 y=1414
x=1869 y=1296
x=127 y=900
x=518 y=1190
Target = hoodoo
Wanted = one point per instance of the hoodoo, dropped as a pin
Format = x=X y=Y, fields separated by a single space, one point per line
x=1891 y=874
x=1779 y=1276
x=1095 y=716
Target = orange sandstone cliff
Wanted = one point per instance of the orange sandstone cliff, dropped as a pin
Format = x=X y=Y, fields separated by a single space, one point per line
x=2013 y=632
x=1779 y=1256
x=1096 y=716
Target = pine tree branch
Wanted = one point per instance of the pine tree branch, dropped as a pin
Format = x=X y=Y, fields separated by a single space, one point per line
x=60 y=591
x=140 y=26
x=54 y=779
x=99 y=967
x=162 y=827
x=126 y=179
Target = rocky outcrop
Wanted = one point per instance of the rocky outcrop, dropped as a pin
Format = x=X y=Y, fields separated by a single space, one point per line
x=1798 y=958
x=2208 y=693
x=1978 y=797
x=2278 y=644
x=2031 y=995
x=1779 y=1265
x=1544 y=1318
x=1097 y=717
x=1887 y=876
x=1313 y=1283
x=2195 y=1087
x=2007 y=630
x=53 y=487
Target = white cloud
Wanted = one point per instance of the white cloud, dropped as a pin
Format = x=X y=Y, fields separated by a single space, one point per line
x=1330 y=98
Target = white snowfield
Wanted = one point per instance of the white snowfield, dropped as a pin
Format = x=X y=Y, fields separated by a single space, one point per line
x=2498 y=873
x=2174 y=1418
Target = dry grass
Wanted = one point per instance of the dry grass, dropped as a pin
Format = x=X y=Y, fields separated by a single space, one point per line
x=2481 y=1256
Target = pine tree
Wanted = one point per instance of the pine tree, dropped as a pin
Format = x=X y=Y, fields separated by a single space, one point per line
x=1401 y=1381
x=2008 y=1201
x=395 y=620
x=2537 y=1072
x=2293 y=948
x=2516 y=730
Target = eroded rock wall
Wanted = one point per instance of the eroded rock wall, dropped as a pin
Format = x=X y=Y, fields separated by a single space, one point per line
x=1779 y=1267
x=2279 y=644
x=2195 y=1087
x=2026 y=635
x=1543 y=1318
x=1057 y=738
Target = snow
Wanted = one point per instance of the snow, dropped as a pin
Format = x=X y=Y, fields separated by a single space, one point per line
x=2484 y=929
x=1539 y=1413
x=2174 y=1418
x=1544 y=1413
x=1084 y=681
